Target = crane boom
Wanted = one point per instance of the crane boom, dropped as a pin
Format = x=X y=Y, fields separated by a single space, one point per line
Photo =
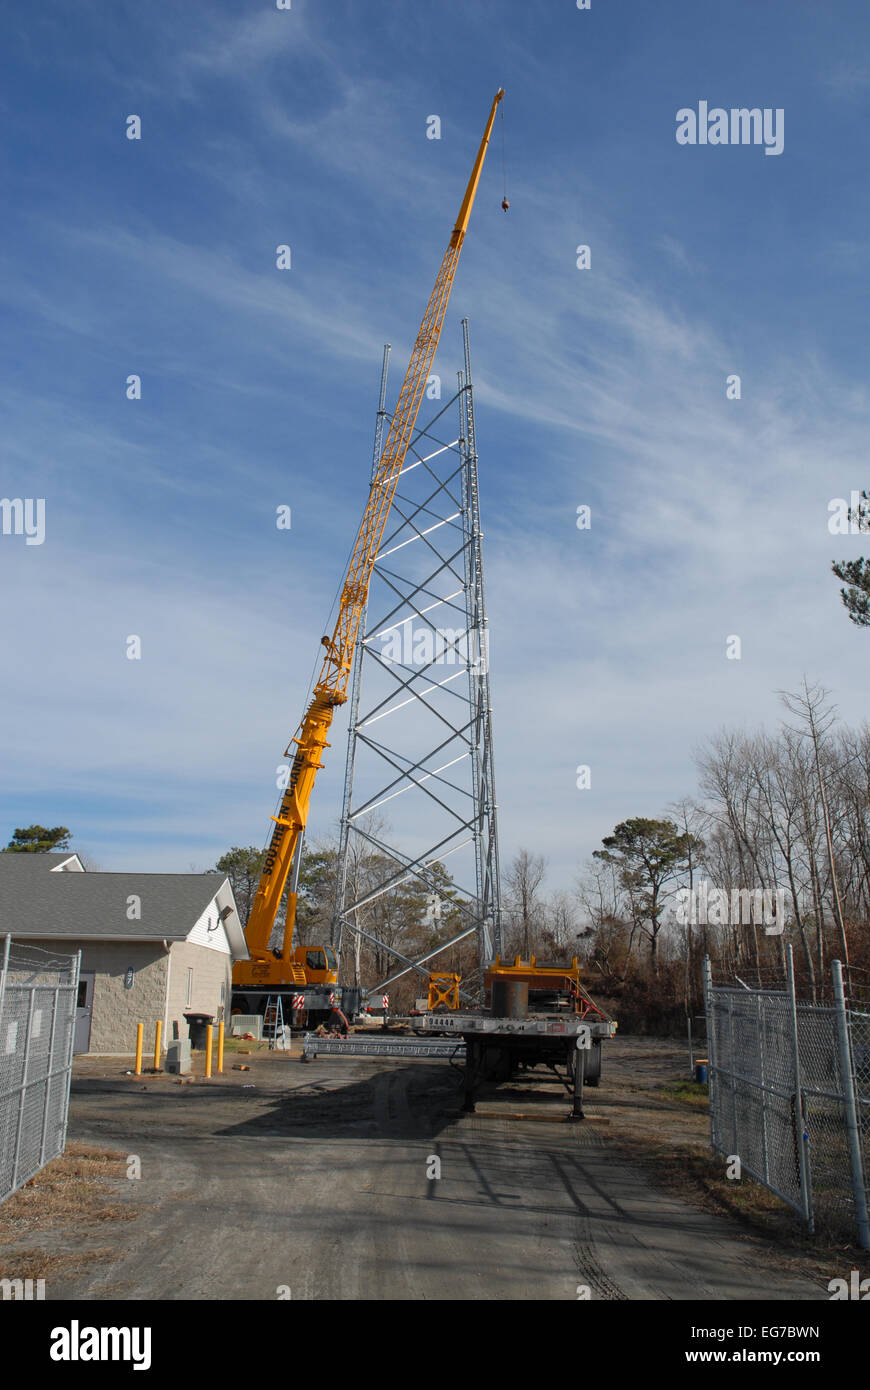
x=330 y=689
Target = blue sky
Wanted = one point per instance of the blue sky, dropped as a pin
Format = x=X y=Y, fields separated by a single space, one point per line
x=607 y=387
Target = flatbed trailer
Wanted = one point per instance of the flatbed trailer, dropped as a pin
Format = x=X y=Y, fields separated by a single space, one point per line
x=497 y=1047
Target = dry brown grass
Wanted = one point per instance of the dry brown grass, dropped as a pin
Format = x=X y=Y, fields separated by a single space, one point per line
x=46 y=1228
x=73 y=1187
x=39 y=1264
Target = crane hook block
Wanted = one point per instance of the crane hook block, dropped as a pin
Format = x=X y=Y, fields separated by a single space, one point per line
x=505 y=204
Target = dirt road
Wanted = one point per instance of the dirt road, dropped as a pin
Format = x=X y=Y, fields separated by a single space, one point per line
x=313 y=1180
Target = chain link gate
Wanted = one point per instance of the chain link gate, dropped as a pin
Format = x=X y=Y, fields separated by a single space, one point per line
x=790 y=1097
x=38 y=996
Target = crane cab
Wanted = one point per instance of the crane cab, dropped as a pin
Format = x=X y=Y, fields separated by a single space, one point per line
x=319 y=964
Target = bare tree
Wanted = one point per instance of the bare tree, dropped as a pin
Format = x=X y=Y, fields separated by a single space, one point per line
x=524 y=878
x=613 y=924
x=816 y=716
x=561 y=916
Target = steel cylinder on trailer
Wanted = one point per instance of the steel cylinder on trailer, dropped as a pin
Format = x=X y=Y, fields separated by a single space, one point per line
x=510 y=998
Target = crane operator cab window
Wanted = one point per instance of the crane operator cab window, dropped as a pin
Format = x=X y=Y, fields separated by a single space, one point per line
x=320 y=958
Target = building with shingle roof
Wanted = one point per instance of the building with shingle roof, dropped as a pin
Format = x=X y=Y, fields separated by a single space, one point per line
x=153 y=946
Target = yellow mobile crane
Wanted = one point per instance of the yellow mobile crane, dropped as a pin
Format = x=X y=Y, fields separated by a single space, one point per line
x=308 y=972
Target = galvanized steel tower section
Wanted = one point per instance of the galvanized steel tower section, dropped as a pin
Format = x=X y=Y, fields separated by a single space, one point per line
x=482 y=756
x=419 y=781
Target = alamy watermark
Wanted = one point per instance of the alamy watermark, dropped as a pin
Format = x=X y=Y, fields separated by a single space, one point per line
x=740 y=125
x=407 y=645
x=77 y=1343
x=23 y=516
x=856 y=1289
x=22 y=1290
x=849 y=518
x=716 y=907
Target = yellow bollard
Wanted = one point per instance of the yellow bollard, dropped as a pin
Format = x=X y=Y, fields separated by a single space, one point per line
x=157 y=1037
x=208 y=1033
x=140 y=1029
x=220 y=1047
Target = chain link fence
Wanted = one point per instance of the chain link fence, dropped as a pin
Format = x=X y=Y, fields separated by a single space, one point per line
x=38 y=996
x=789 y=1097
x=859 y=1047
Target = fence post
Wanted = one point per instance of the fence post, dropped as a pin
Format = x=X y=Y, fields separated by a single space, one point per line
x=712 y=1079
x=735 y=1145
x=855 y=1157
x=22 y=1092
x=71 y=1049
x=4 y=969
x=762 y=1071
x=803 y=1154
x=49 y=1080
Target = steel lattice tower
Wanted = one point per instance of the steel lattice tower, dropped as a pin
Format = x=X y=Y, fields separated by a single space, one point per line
x=420 y=735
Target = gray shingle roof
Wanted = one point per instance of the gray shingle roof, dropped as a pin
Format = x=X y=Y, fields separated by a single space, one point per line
x=36 y=903
x=16 y=861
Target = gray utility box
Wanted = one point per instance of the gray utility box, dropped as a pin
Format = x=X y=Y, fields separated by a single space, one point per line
x=247 y=1023
x=178 y=1056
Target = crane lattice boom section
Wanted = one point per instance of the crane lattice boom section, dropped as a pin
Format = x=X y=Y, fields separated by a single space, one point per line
x=335 y=672
x=331 y=687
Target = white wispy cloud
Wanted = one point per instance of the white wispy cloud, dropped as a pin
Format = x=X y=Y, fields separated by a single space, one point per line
x=605 y=387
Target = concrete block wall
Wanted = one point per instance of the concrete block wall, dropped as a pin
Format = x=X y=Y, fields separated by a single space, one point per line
x=211 y=970
x=116 y=1009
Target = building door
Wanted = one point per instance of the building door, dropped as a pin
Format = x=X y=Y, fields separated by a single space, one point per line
x=84 y=1009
